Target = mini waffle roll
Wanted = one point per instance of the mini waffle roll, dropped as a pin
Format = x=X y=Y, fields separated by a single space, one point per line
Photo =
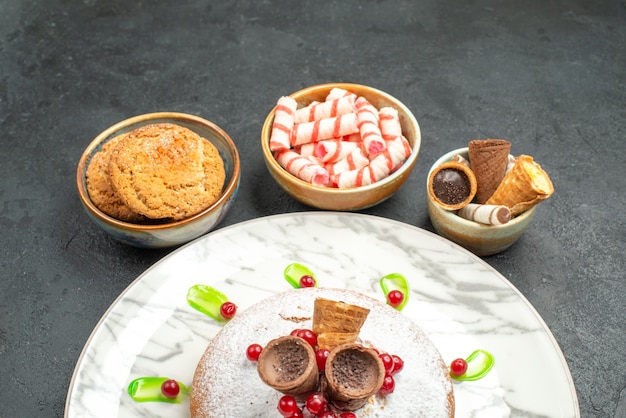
x=525 y=185
x=488 y=159
x=330 y=340
x=337 y=323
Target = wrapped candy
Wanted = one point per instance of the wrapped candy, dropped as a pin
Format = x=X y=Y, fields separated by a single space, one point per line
x=334 y=150
x=367 y=114
x=302 y=167
x=353 y=161
x=327 y=109
x=322 y=129
x=389 y=123
x=284 y=120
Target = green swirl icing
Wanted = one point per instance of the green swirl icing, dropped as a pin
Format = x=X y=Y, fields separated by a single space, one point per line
x=207 y=300
x=396 y=281
x=479 y=363
x=148 y=389
x=294 y=272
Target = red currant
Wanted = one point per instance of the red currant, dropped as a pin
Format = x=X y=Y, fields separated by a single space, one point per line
x=316 y=403
x=347 y=415
x=321 y=356
x=387 y=362
x=458 y=367
x=297 y=414
x=170 y=388
x=395 y=298
x=309 y=336
x=253 y=352
x=228 y=310
x=307 y=281
x=398 y=364
x=388 y=385
x=287 y=406
x=327 y=414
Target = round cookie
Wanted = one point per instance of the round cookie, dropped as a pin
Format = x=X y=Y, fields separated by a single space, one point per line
x=101 y=193
x=166 y=171
x=227 y=384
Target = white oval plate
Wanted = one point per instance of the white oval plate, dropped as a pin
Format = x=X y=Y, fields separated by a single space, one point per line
x=459 y=300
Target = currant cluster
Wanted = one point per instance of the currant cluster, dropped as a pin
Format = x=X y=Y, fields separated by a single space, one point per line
x=316 y=404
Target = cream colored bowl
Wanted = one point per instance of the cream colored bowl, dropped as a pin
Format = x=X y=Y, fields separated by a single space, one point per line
x=349 y=199
x=173 y=233
x=482 y=240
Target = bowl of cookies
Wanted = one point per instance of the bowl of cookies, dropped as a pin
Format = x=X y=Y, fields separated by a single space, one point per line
x=482 y=197
x=159 y=180
x=340 y=146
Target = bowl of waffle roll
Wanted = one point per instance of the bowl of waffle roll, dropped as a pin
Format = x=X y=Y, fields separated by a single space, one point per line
x=483 y=197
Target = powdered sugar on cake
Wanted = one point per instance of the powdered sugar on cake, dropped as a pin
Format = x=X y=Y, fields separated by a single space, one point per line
x=226 y=383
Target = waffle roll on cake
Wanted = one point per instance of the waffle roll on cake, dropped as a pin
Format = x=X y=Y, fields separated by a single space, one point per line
x=337 y=323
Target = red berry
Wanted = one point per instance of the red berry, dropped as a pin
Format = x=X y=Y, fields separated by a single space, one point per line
x=287 y=406
x=347 y=415
x=307 y=281
x=321 y=356
x=316 y=403
x=253 y=352
x=388 y=385
x=327 y=414
x=398 y=364
x=228 y=310
x=458 y=367
x=395 y=298
x=297 y=414
x=170 y=388
x=387 y=362
x=309 y=336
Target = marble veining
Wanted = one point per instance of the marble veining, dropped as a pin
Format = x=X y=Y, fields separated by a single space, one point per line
x=456 y=298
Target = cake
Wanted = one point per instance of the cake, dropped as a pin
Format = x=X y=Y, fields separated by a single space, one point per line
x=227 y=384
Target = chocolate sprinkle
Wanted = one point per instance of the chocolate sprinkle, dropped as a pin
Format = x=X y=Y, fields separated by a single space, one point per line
x=451 y=186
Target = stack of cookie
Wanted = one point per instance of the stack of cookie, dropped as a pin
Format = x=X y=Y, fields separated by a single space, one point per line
x=157 y=173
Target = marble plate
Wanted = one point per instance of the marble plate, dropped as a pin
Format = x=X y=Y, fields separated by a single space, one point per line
x=459 y=300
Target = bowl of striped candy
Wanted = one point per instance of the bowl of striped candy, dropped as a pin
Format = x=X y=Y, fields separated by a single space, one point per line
x=340 y=146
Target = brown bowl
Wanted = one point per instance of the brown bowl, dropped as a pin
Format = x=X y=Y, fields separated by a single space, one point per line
x=349 y=199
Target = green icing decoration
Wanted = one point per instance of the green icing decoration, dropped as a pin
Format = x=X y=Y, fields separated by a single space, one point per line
x=479 y=363
x=148 y=389
x=396 y=281
x=207 y=300
x=295 y=271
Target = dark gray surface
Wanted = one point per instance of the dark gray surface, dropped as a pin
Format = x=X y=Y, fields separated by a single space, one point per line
x=547 y=75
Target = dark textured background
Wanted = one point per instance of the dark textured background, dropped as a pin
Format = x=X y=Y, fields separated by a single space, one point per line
x=547 y=75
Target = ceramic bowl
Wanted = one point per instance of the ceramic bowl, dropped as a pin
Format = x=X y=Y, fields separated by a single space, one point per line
x=177 y=232
x=349 y=199
x=482 y=240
